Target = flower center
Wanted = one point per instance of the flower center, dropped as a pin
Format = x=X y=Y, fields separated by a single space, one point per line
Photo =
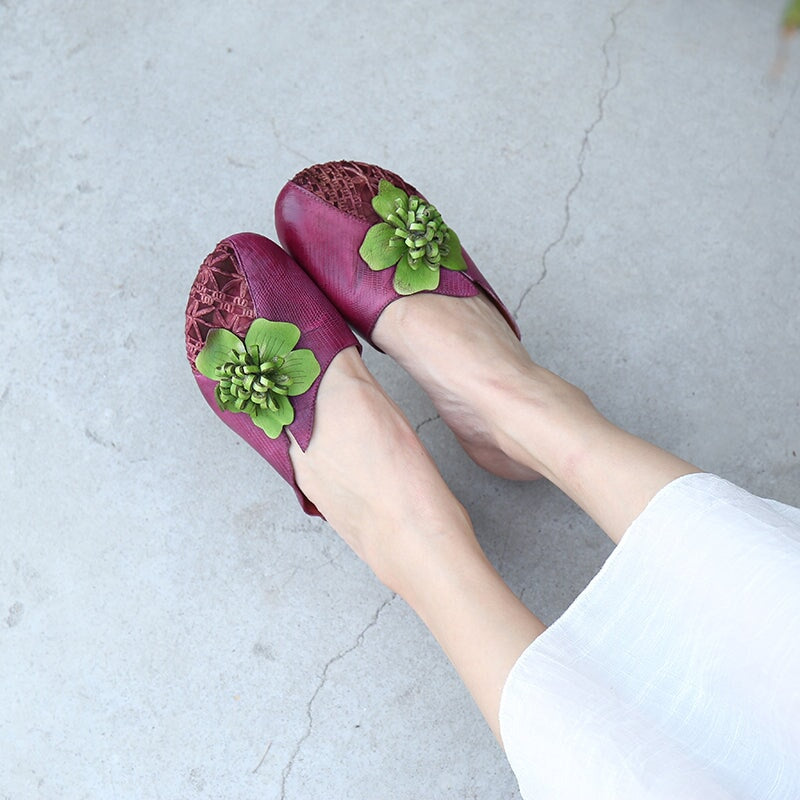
x=247 y=381
x=421 y=226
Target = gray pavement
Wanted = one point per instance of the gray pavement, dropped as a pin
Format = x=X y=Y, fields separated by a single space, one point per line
x=171 y=624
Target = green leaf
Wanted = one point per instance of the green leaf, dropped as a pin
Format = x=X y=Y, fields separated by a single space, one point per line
x=273 y=422
x=273 y=338
x=411 y=281
x=303 y=368
x=381 y=249
x=385 y=202
x=454 y=259
x=268 y=422
x=791 y=16
x=285 y=412
x=217 y=351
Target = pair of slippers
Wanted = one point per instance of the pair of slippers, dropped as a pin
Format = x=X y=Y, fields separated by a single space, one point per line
x=263 y=323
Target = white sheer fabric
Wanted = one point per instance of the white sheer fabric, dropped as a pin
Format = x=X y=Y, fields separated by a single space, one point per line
x=676 y=673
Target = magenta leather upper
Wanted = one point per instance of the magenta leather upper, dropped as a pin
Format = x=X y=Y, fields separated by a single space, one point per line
x=325 y=240
x=278 y=290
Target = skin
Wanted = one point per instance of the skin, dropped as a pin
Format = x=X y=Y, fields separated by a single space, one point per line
x=514 y=418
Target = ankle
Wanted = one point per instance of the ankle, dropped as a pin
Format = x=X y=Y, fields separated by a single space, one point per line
x=442 y=547
x=536 y=416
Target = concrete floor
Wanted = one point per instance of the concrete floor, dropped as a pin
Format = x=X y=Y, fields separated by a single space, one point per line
x=626 y=176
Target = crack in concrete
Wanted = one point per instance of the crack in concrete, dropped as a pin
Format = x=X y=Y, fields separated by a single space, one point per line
x=282 y=143
x=773 y=134
x=501 y=561
x=425 y=422
x=605 y=91
x=240 y=164
x=263 y=758
x=322 y=681
x=97 y=439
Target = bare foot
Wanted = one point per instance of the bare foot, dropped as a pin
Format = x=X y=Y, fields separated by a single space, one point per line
x=461 y=351
x=372 y=479
x=369 y=474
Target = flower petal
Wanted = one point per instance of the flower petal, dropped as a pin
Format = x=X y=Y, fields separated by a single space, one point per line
x=268 y=421
x=273 y=338
x=381 y=249
x=385 y=202
x=285 y=412
x=454 y=259
x=411 y=281
x=223 y=404
x=216 y=352
x=303 y=368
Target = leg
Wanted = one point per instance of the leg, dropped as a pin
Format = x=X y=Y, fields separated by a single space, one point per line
x=516 y=418
x=385 y=497
x=682 y=658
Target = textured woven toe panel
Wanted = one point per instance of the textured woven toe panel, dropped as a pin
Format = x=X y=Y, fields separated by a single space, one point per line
x=322 y=216
x=219 y=298
x=349 y=185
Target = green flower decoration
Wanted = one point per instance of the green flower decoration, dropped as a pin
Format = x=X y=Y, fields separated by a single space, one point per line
x=412 y=237
x=257 y=376
x=791 y=17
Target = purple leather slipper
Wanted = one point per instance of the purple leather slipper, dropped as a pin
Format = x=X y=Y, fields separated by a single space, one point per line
x=259 y=337
x=368 y=238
